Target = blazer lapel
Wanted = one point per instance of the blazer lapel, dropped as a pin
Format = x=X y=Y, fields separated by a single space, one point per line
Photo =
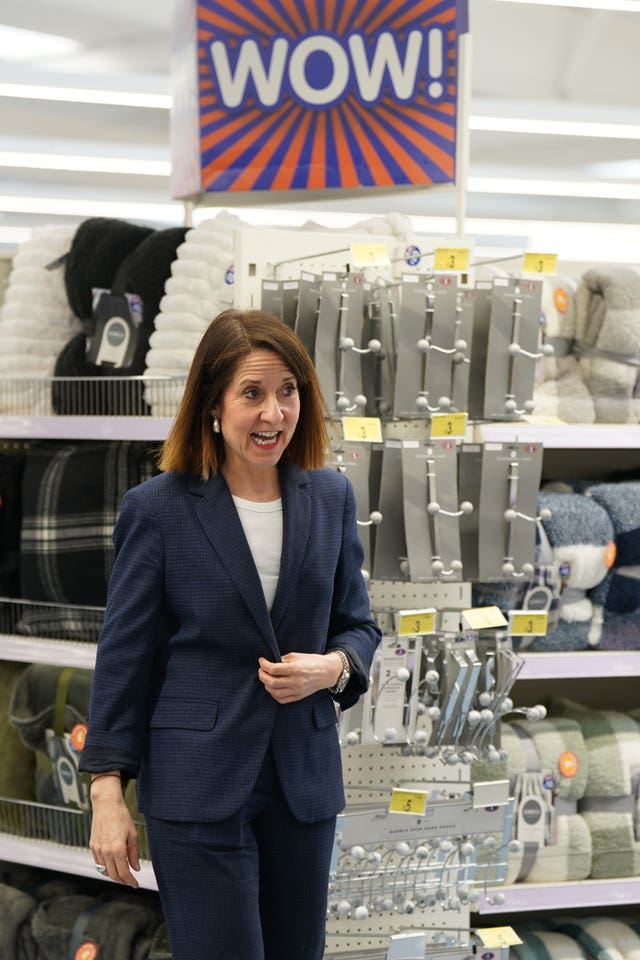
x=219 y=518
x=296 y=510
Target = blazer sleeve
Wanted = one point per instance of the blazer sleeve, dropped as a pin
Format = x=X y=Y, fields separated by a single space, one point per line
x=122 y=679
x=351 y=626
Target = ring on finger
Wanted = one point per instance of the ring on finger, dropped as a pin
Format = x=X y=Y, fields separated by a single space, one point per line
x=101 y=868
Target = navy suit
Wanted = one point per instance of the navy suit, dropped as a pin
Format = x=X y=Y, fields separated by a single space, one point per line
x=176 y=699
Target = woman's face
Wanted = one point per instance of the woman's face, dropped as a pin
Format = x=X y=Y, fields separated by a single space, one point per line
x=258 y=412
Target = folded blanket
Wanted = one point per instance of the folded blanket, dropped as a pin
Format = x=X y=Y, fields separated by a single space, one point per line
x=580 y=533
x=11 y=469
x=603 y=938
x=120 y=927
x=71 y=496
x=619 y=593
x=48 y=709
x=16 y=939
x=610 y=803
x=540 y=944
x=536 y=747
x=560 y=390
x=607 y=334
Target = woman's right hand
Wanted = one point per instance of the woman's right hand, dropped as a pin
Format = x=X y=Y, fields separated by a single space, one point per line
x=114 y=838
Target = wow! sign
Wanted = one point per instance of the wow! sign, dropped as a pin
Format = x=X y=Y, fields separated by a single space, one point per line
x=306 y=94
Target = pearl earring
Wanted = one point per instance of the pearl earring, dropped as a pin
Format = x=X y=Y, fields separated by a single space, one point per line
x=216 y=425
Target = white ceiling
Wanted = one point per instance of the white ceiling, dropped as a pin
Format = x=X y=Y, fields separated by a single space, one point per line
x=529 y=60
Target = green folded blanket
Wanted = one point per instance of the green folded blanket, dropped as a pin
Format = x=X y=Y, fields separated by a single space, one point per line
x=610 y=803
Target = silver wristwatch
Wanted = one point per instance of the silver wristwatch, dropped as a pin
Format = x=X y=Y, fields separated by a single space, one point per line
x=344 y=677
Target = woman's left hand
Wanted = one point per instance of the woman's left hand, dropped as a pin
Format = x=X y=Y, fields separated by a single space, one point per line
x=298 y=675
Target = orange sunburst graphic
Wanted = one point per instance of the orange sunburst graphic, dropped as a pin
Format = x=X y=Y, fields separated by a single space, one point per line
x=318 y=94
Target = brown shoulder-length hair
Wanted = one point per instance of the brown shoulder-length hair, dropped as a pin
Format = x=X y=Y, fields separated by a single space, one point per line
x=191 y=446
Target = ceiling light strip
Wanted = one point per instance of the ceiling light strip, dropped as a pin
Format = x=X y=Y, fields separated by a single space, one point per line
x=116 y=98
x=620 y=6
x=592 y=189
x=561 y=128
x=55 y=161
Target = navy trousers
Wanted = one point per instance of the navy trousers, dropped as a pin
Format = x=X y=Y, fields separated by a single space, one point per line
x=251 y=887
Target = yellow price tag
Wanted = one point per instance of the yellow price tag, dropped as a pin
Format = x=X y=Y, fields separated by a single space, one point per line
x=416 y=622
x=529 y=623
x=408 y=801
x=363 y=429
x=496 y=937
x=483 y=618
x=540 y=263
x=451 y=258
x=370 y=255
x=445 y=425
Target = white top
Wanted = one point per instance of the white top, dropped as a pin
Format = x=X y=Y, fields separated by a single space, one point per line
x=262 y=525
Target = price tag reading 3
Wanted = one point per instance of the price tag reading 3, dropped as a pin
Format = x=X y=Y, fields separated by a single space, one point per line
x=451 y=258
x=413 y=623
x=408 y=801
x=363 y=429
x=370 y=255
x=540 y=263
x=445 y=425
x=528 y=623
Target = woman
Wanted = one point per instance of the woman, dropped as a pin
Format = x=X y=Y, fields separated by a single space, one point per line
x=237 y=615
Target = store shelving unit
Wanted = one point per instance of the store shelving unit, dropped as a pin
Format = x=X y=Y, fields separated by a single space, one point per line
x=56 y=856
x=540 y=897
x=544 y=667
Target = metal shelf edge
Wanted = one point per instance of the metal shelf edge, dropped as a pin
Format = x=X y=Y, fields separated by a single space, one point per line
x=55 y=856
x=61 y=653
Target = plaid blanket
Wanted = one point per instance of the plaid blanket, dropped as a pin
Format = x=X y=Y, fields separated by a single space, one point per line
x=71 y=495
x=11 y=467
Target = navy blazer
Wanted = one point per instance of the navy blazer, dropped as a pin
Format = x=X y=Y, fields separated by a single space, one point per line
x=176 y=700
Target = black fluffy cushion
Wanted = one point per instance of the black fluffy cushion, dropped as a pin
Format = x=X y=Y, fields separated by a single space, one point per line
x=147 y=269
x=11 y=467
x=99 y=246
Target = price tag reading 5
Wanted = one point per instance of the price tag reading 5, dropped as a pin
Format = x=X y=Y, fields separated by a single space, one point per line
x=540 y=263
x=451 y=258
x=413 y=623
x=408 y=801
x=529 y=623
x=363 y=429
x=445 y=425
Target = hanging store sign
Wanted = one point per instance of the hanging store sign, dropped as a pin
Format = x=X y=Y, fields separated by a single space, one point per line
x=311 y=94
